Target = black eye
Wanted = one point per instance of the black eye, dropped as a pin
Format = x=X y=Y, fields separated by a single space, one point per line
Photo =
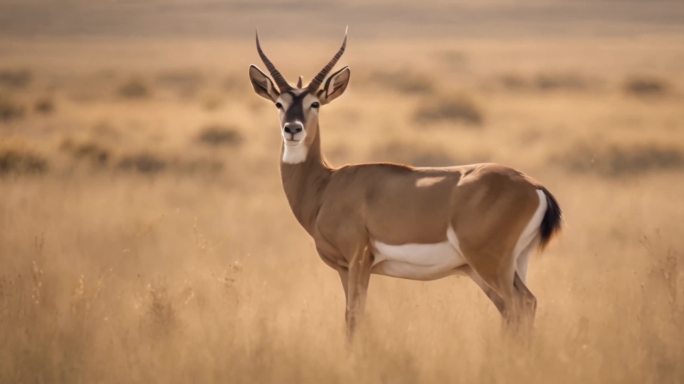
x=315 y=104
x=279 y=106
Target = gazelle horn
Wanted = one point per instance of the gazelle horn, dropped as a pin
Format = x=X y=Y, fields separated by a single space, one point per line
x=279 y=79
x=318 y=80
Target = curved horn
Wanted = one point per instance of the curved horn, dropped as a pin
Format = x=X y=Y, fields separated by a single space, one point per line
x=279 y=79
x=318 y=80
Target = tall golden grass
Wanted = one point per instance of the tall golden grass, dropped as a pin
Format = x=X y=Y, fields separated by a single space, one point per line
x=144 y=236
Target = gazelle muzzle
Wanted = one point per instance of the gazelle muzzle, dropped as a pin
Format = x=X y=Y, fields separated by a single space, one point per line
x=293 y=132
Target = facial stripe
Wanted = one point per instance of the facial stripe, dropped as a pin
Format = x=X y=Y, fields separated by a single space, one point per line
x=295 y=112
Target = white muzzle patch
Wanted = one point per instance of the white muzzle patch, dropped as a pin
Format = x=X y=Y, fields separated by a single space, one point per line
x=295 y=152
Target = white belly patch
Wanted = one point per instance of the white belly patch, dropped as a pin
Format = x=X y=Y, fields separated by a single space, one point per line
x=418 y=261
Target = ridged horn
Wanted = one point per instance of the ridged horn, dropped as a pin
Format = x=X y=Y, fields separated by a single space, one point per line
x=318 y=79
x=279 y=79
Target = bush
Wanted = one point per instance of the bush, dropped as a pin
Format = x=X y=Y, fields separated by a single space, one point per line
x=134 y=89
x=10 y=109
x=44 y=105
x=19 y=161
x=15 y=78
x=645 y=86
x=93 y=153
x=143 y=163
x=450 y=108
x=514 y=82
x=559 y=81
x=544 y=82
x=218 y=135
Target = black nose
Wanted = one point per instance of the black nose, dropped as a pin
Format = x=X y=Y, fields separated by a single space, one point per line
x=293 y=128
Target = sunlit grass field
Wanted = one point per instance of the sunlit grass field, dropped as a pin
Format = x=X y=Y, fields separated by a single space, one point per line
x=145 y=237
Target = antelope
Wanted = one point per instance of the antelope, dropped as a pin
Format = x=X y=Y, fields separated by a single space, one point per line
x=417 y=223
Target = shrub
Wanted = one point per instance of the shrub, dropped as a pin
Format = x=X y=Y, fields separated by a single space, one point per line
x=15 y=78
x=514 y=82
x=20 y=161
x=644 y=86
x=88 y=151
x=44 y=105
x=558 y=81
x=143 y=163
x=450 y=108
x=134 y=89
x=10 y=109
x=219 y=135
x=544 y=82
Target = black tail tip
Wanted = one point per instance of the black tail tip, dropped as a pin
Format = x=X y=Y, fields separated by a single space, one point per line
x=551 y=223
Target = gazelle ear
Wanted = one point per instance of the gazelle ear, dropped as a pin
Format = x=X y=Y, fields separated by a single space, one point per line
x=262 y=84
x=334 y=86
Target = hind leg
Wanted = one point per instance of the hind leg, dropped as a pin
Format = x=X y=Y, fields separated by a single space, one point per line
x=506 y=289
x=491 y=294
x=496 y=284
x=526 y=300
x=527 y=303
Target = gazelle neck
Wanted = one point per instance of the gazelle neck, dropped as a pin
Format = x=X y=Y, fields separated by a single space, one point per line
x=304 y=183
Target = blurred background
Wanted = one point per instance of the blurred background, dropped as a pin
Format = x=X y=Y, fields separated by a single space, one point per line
x=145 y=237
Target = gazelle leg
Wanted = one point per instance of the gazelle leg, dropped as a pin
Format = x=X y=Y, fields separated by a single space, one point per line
x=518 y=302
x=493 y=296
x=344 y=278
x=499 y=288
x=358 y=276
x=527 y=303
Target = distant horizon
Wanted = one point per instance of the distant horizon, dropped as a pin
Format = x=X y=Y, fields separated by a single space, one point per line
x=468 y=19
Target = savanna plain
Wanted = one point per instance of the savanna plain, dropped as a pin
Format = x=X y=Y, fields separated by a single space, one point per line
x=145 y=237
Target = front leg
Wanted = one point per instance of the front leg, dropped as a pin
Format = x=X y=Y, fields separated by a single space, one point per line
x=357 y=278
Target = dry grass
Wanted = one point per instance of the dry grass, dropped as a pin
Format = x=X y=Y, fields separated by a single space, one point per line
x=546 y=82
x=408 y=152
x=402 y=80
x=616 y=160
x=151 y=242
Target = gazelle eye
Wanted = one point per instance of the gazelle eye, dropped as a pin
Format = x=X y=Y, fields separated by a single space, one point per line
x=278 y=105
x=315 y=104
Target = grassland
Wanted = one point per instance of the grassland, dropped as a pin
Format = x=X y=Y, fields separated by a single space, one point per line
x=144 y=236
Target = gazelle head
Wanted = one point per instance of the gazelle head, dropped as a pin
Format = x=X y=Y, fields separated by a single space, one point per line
x=298 y=106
